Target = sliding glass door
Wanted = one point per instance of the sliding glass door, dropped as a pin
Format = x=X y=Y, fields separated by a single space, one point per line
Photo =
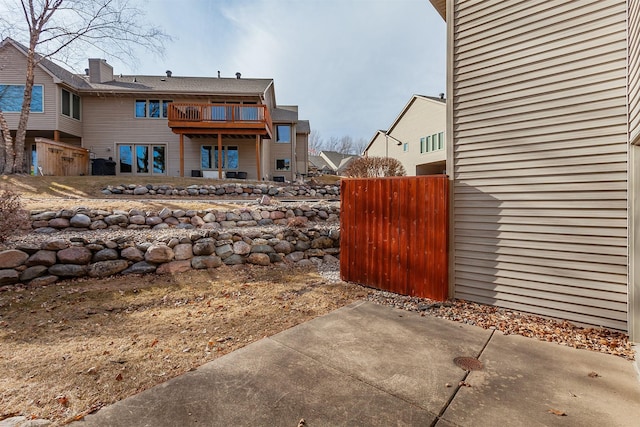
x=142 y=159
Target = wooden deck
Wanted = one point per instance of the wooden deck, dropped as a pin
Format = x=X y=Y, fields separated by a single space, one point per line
x=228 y=119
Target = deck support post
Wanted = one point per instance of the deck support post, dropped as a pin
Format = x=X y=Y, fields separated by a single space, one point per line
x=219 y=156
x=181 y=154
x=259 y=174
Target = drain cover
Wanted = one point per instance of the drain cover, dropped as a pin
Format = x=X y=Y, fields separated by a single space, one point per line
x=468 y=363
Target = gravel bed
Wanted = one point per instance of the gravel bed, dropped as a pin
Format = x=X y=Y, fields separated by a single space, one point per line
x=504 y=320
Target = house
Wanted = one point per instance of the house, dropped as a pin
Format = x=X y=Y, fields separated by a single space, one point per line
x=544 y=154
x=330 y=162
x=416 y=138
x=159 y=125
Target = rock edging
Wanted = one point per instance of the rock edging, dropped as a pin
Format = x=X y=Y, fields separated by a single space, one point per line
x=225 y=190
x=82 y=219
x=59 y=258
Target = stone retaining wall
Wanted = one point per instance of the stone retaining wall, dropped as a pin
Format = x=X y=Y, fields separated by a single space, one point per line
x=82 y=219
x=227 y=190
x=56 y=258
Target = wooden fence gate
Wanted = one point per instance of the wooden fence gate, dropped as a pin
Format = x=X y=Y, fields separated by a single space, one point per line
x=394 y=234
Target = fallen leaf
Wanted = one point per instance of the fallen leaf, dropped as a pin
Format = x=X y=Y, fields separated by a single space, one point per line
x=593 y=374
x=63 y=400
x=154 y=342
x=119 y=377
x=557 y=412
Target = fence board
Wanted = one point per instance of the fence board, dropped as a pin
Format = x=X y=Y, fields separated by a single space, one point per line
x=394 y=234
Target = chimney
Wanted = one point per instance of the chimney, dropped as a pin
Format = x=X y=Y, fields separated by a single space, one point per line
x=86 y=71
x=168 y=73
x=442 y=96
x=218 y=73
x=100 y=71
x=238 y=75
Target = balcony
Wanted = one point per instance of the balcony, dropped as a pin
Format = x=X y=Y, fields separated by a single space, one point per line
x=227 y=119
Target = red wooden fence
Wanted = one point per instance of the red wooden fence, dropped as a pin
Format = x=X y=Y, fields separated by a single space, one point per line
x=394 y=234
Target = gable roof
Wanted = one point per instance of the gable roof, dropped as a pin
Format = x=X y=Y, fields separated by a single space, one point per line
x=319 y=163
x=49 y=66
x=439 y=100
x=152 y=84
x=334 y=158
x=441 y=7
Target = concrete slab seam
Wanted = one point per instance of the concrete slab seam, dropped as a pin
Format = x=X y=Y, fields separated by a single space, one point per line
x=324 y=363
x=459 y=385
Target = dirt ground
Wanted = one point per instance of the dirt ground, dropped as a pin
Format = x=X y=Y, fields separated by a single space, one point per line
x=70 y=348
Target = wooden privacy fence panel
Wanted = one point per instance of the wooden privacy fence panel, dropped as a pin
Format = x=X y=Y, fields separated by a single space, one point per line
x=60 y=159
x=394 y=234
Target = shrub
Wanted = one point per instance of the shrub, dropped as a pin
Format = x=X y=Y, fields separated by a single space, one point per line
x=374 y=167
x=13 y=218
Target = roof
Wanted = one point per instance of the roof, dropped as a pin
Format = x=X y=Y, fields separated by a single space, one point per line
x=303 y=126
x=319 y=162
x=49 y=66
x=439 y=100
x=285 y=114
x=441 y=7
x=156 y=84
x=334 y=158
x=190 y=85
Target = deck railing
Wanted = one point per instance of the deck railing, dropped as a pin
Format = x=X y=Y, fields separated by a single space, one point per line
x=219 y=113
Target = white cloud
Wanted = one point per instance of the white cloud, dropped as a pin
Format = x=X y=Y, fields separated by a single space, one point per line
x=351 y=65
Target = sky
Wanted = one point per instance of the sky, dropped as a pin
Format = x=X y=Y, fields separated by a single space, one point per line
x=350 y=65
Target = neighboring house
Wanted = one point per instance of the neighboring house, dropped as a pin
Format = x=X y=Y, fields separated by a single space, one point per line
x=544 y=132
x=416 y=138
x=330 y=162
x=159 y=125
x=319 y=166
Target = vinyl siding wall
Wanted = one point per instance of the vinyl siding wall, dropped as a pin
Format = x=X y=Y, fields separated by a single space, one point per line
x=634 y=70
x=421 y=118
x=13 y=71
x=110 y=120
x=539 y=122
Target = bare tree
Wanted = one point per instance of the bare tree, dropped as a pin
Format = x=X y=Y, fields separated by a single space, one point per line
x=315 y=143
x=374 y=167
x=63 y=28
x=359 y=145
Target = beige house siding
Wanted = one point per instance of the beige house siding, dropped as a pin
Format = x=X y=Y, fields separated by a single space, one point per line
x=421 y=118
x=634 y=71
x=302 y=153
x=13 y=71
x=68 y=124
x=539 y=156
x=280 y=150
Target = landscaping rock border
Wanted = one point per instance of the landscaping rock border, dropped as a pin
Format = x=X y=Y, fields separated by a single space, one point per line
x=82 y=219
x=59 y=258
x=228 y=189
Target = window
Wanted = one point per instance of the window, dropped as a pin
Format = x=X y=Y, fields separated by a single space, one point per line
x=432 y=142
x=283 y=164
x=11 y=97
x=405 y=147
x=209 y=157
x=283 y=133
x=152 y=108
x=136 y=159
x=70 y=104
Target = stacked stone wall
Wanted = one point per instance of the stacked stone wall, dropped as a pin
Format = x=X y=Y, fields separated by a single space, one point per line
x=58 y=258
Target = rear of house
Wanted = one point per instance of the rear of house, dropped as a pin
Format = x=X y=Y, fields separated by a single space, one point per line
x=544 y=122
x=158 y=125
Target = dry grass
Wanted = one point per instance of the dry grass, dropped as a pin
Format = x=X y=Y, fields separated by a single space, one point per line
x=69 y=348
x=66 y=192
x=73 y=347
